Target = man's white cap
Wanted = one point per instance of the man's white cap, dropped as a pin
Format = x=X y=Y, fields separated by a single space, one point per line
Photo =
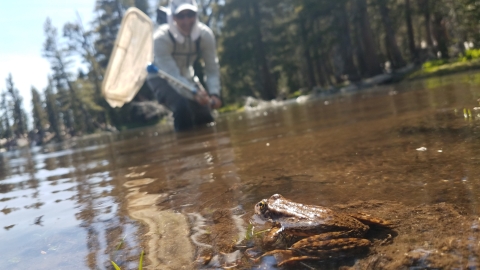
x=181 y=5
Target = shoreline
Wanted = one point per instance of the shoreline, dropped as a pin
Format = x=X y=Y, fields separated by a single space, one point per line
x=410 y=72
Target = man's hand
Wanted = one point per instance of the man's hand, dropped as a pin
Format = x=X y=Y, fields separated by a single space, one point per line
x=215 y=102
x=202 y=97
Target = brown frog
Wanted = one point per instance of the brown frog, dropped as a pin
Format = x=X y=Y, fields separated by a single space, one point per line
x=328 y=233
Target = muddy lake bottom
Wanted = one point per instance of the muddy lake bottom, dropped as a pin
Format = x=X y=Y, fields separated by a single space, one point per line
x=407 y=153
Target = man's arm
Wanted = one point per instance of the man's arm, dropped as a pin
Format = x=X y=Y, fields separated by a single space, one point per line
x=209 y=55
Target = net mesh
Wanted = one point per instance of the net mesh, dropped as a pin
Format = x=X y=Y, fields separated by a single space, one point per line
x=133 y=50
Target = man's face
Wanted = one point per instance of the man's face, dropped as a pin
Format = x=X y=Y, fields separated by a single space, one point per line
x=185 y=20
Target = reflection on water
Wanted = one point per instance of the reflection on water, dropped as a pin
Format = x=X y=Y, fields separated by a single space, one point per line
x=70 y=206
x=61 y=208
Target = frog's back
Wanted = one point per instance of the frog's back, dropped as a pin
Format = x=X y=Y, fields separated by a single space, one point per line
x=303 y=219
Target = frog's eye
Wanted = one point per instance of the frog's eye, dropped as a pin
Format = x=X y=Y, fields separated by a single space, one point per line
x=262 y=205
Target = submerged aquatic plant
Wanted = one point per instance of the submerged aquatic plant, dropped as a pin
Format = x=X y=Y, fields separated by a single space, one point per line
x=251 y=233
x=115 y=265
x=119 y=245
x=140 y=263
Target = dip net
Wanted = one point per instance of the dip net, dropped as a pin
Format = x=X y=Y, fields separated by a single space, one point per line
x=133 y=50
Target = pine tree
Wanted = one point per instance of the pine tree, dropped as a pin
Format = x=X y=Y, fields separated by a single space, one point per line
x=53 y=111
x=76 y=118
x=19 y=118
x=80 y=43
x=38 y=113
x=143 y=5
x=8 y=131
x=107 y=23
x=2 y=127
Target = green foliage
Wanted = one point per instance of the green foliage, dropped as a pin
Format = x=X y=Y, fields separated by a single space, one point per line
x=296 y=94
x=232 y=107
x=446 y=69
x=433 y=63
x=470 y=54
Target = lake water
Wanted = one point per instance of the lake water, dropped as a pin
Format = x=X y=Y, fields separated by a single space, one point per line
x=186 y=198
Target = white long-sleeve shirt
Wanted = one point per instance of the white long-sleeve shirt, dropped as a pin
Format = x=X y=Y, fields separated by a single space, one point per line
x=177 y=58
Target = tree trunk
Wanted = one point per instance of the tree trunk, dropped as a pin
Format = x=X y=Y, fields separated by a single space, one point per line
x=346 y=48
x=459 y=34
x=359 y=51
x=425 y=7
x=306 y=53
x=411 y=38
x=269 y=90
x=393 y=52
x=369 y=47
x=320 y=69
x=317 y=61
x=441 y=35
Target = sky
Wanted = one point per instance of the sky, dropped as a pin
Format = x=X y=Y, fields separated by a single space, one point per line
x=21 y=27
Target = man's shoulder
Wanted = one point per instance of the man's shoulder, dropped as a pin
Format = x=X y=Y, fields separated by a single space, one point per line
x=161 y=31
x=205 y=31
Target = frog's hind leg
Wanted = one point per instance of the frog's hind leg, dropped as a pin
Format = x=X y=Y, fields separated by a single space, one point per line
x=369 y=220
x=317 y=245
x=312 y=248
x=287 y=256
x=280 y=255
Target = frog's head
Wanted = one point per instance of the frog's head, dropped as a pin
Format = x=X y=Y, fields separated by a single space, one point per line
x=265 y=208
x=261 y=208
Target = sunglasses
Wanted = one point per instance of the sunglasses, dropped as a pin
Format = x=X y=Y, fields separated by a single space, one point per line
x=183 y=15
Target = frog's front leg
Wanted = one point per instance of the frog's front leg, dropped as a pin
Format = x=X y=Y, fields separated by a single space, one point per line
x=271 y=237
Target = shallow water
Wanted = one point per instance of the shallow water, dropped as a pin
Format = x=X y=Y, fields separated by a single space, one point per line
x=77 y=205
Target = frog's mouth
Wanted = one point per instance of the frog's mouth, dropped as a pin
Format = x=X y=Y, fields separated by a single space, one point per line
x=257 y=210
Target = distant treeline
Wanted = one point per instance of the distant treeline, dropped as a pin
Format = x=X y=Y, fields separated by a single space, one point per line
x=267 y=49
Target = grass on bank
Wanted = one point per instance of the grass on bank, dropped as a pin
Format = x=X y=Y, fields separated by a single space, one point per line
x=234 y=107
x=438 y=67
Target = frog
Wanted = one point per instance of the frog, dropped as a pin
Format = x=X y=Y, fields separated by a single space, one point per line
x=323 y=232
